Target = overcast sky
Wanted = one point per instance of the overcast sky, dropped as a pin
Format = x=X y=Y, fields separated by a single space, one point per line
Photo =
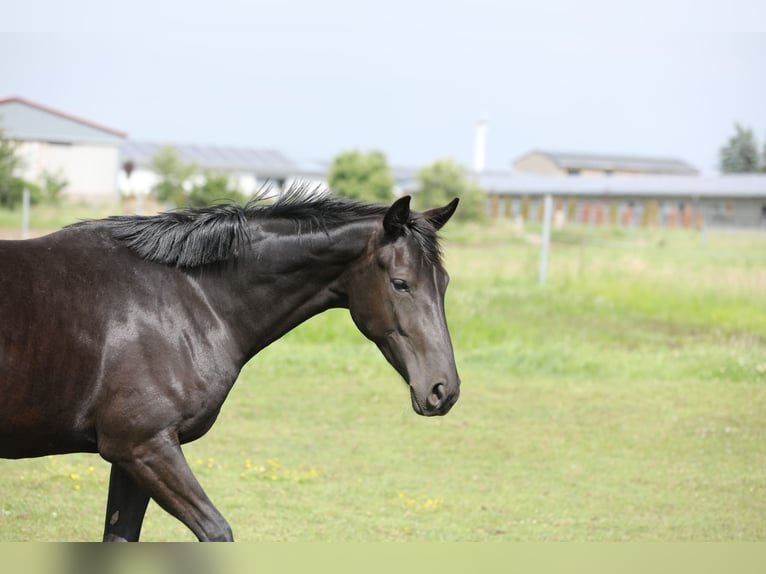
x=314 y=78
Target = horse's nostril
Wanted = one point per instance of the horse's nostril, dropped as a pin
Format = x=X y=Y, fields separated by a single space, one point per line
x=436 y=396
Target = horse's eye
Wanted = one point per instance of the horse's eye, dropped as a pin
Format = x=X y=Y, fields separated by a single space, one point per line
x=400 y=285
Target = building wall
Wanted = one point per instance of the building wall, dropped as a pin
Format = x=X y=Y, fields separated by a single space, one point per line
x=731 y=213
x=537 y=163
x=674 y=212
x=90 y=169
x=140 y=182
x=143 y=180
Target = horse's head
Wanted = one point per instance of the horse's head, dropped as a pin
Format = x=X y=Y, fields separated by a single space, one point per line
x=396 y=298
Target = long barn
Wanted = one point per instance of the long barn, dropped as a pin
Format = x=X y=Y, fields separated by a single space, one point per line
x=649 y=200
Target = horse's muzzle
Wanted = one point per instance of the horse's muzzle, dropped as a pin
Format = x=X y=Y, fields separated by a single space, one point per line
x=438 y=401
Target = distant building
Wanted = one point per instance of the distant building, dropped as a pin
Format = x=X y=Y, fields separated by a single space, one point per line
x=733 y=201
x=92 y=158
x=83 y=152
x=564 y=163
x=248 y=168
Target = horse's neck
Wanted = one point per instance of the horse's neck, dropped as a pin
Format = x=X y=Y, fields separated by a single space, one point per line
x=284 y=279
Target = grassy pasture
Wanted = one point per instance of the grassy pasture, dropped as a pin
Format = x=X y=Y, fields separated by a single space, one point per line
x=45 y=217
x=623 y=401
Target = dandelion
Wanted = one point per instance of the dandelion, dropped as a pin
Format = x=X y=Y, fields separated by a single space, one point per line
x=432 y=504
x=421 y=503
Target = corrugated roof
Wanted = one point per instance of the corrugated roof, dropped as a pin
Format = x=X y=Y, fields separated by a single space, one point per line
x=228 y=158
x=612 y=163
x=751 y=186
x=35 y=131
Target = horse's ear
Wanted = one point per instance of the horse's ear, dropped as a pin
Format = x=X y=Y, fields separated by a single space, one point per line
x=397 y=216
x=439 y=216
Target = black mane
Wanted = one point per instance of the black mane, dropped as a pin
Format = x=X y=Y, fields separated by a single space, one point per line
x=193 y=237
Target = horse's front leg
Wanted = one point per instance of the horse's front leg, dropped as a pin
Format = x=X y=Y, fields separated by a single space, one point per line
x=158 y=467
x=125 y=508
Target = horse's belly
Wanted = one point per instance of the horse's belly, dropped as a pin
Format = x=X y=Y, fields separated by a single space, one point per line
x=41 y=423
x=27 y=443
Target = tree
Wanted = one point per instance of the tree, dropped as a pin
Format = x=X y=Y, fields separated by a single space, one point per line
x=173 y=174
x=11 y=186
x=182 y=183
x=51 y=186
x=444 y=180
x=215 y=186
x=362 y=176
x=47 y=189
x=741 y=154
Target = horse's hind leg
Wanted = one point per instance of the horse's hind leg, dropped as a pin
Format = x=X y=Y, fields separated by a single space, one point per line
x=159 y=468
x=125 y=508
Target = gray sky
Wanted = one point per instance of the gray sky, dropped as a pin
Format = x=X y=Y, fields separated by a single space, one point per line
x=314 y=78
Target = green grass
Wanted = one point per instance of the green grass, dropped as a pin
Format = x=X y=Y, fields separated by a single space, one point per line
x=624 y=400
x=46 y=217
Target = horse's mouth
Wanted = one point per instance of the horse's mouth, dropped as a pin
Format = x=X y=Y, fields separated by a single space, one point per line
x=416 y=406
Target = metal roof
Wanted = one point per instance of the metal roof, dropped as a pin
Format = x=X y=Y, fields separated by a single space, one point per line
x=24 y=119
x=741 y=186
x=228 y=158
x=612 y=163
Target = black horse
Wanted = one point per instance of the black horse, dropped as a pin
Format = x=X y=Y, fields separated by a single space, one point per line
x=124 y=336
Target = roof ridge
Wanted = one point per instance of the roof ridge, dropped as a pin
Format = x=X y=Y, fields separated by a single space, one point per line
x=66 y=115
x=598 y=155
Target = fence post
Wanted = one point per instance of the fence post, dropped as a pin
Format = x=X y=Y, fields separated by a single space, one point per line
x=25 y=200
x=546 y=237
